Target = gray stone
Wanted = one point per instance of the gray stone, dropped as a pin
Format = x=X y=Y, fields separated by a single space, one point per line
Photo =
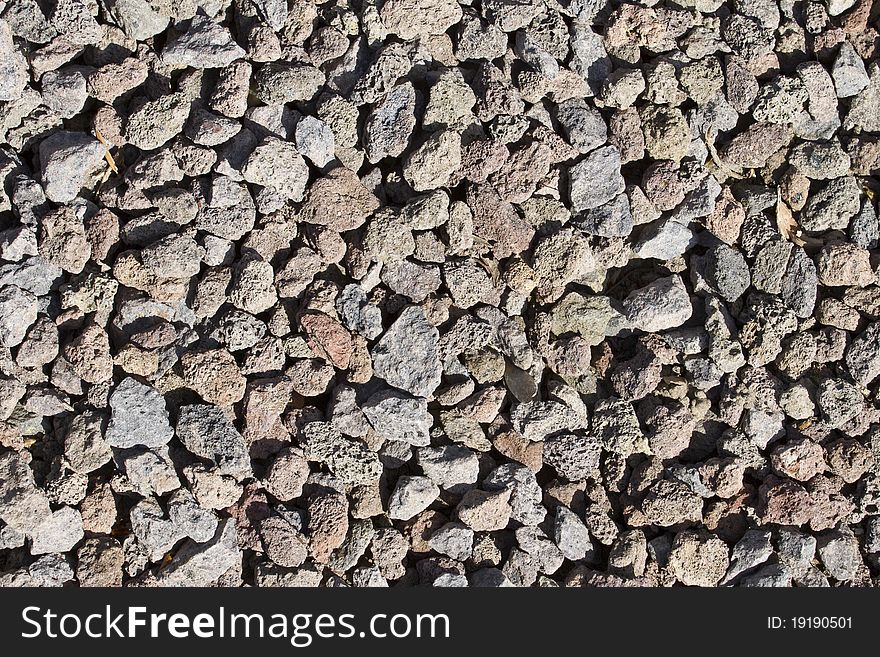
x=314 y=140
x=833 y=206
x=407 y=356
x=773 y=575
x=411 y=279
x=13 y=66
x=727 y=271
x=661 y=305
x=583 y=125
x=864 y=112
x=173 y=256
x=489 y=578
x=485 y=510
x=468 y=283
x=399 y=417
x=137 y=18
x=22 y=505
x=69 y=161
x=64 y=92
x=571 y=535
x=451 y=580
x=454 y=540
x=347 y=458
x=85 y=448
x=157 y=121
x=277 y=164
x=11 y=538
x=664 y=239
x=411 y=496
x=750 y=551
x=360 y=535
x=155 y=533
x=864 y=229
x=431 y=164
x=622 y=88
x=589 y=57
x=389 y=127
x=18 y=311
x=450 y=100
x=770 y=266
x=275 y=12
x=420 y=18
x=613 y=219
x=863 y=355
x=574 y=457
x=529 y=50
x=368 y=577
x=28 y=21
x=837 y=7
x=839 y=552
x=207 y=432
x=204 y=44
x=283 y=82
x=820 y=161
x=596 y=179
x=59 y=531
x=138 y=416
x=201 y=564
x=526 y=496
x=51 y=570
x=190 y=518
x=780 y=101
x=548 y=557
x=796 y=550
x=357 y=313
x=796 y=402
x=839 y=401
x=537 y=420
x=616 y=425
x=724 y=349
x=799 y=285
x=449 y=465
x=149 y=471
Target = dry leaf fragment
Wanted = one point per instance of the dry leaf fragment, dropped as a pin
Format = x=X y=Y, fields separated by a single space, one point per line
x=107 y=156
x=713 y=152
x=786 y=223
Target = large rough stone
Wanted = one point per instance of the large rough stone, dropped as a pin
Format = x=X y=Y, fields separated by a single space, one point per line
x=201 y=564
x=204 y=44
x=138 y=416
x=407 y=356
x=661 y=305
x=411 y=496
x=207 y=432
x=396 y=416
x=596 y=179
x=18 y=311
x=70 y=161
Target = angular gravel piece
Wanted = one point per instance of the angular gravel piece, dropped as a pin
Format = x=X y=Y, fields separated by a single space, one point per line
x=207 y=432
x=138 y=416
x=204 y=44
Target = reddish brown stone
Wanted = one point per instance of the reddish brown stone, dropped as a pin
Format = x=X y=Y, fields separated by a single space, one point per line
x=328 y=524
x=214 y=374
x=327 y=338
